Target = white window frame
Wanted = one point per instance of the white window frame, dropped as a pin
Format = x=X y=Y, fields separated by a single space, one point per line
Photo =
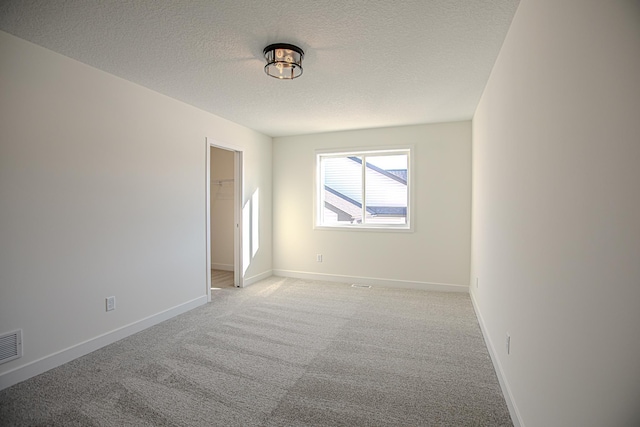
x=318 y=202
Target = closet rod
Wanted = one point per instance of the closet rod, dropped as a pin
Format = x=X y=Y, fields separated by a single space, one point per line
x=221 y=181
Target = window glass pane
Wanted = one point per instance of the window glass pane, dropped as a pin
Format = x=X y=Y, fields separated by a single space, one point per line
x=367 y=189
x=386 y=189
x=342 y=190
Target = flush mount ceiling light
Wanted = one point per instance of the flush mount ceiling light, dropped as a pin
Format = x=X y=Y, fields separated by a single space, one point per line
x=284 y=61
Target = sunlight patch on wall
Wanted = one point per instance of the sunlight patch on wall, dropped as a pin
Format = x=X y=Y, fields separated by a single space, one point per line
x=246 y=237
x=255 y=221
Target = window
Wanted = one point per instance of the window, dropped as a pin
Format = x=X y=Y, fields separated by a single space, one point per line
x=365 y=189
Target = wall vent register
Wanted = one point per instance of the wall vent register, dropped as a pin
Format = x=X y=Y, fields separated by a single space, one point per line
x=10 y=346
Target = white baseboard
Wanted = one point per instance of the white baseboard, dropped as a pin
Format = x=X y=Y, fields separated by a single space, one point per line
x=504 y=384
x=61 y=357
x=390 y=283
x=224 y=267
x=253 y=279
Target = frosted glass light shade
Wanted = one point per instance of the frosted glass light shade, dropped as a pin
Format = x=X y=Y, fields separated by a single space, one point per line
x=284 y=61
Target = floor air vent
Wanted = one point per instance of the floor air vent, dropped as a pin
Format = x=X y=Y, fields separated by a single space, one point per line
x=355 y=285
x=10 y=346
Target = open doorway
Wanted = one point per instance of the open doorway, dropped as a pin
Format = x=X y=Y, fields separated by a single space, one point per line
x=222 y=220
x=224 y=216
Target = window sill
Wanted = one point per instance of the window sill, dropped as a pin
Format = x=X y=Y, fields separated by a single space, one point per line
x=384 y=229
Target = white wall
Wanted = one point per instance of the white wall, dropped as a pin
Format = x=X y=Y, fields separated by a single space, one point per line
x=556 y=212
x=222 y=212
x=437 y=252
x=102 y=187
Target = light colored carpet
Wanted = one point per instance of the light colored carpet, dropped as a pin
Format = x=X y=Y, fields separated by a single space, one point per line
x=282 y=352
x=221 y=279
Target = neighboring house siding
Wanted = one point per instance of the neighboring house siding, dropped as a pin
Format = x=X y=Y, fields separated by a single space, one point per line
x=344 y=176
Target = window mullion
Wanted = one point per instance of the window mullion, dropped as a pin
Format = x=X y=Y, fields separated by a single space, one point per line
x=321 y=197
x=363 y=192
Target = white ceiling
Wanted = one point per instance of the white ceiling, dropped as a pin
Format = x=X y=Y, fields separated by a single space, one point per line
x=368 y=63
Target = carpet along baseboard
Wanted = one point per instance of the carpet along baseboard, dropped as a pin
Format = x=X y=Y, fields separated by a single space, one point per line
x=504 y=384
x=254 y=279
x=407 y=284
x=61 y=357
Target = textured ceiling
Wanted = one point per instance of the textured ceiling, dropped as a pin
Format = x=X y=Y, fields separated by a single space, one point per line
x=368 y=63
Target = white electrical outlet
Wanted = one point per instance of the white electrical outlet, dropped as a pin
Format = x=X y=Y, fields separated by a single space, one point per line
x=319 y=257
x=111 y=303
x=508 y=344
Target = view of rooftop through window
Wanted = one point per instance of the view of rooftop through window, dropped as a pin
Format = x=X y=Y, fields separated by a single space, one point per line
x=366 y=189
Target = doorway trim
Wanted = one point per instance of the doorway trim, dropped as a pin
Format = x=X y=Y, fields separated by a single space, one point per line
x=238 y=197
